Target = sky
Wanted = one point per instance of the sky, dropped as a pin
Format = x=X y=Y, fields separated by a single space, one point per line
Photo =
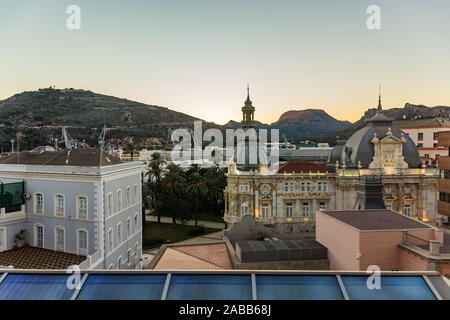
x=197 y=56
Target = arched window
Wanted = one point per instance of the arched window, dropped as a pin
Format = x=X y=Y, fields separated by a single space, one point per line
x=110 y=204
x=244 y=208
x=110 y=240
x=38 y=203
x=119 y=234
x=82 y=207
x=136 y=193
x=82 y=243
x=59 y=239
x=59 y=205
x=128 y=196
x=119 y=200
x=265 y=210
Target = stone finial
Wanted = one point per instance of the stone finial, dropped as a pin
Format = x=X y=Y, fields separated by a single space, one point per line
x=344 y=165
x=359 y=165
x=424 y=165
x=337 y=164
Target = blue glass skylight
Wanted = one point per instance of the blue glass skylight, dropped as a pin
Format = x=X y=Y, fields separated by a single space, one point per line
x=35 y=287
x=210 y=287
x=122 y=287
x=392 y=288
x=294 y=287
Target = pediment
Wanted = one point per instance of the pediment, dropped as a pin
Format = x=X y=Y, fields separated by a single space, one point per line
x=390 y=139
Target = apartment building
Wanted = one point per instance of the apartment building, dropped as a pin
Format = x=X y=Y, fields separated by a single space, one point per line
x=82 y=202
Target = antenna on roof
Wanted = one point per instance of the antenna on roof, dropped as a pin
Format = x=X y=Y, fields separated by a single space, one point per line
x=102 y=137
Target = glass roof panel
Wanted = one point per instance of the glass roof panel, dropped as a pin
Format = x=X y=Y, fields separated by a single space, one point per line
x=122 y=287
x=210 y=287
x=391 y=288
x=293 y=287
x=35 y=287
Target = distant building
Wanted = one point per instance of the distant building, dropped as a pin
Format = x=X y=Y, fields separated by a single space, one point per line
x=300 y=188
x=357 y=239
x=423 y=132
x=83 y=202
x=444 y=178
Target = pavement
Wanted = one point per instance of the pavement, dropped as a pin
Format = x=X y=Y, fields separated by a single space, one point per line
x=147 y=255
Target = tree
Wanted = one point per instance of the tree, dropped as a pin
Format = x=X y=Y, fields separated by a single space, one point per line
x=197 y=191
x=130 y=148
x=173 y=200
x=154 y=174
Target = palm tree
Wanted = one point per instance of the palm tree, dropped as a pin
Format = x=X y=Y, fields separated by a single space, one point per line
x=130 y=148
x=154 y=173
x=173 y=193
x=197 y=190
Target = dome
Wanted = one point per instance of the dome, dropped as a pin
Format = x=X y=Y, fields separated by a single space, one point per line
x=359 y=147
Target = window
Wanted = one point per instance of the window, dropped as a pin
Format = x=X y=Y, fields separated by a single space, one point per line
x=128 y=227
x=243 y=187
x=82 y=243
x=322 y=187
x=265 y=210
x=437 y=156
x=110 y=240
x=420 y=145
x=231 y=207
x=435 y=136
x=135 y=193
x=2 y=239
x=119 y=262
x=119 y=234
x=39 y=203
x=39 y=236
x=388 y=206
x=129 y=255
x=420 y=136
x=407 y=209
x=435 y=145
x=289 y=187
x=136 y=249
x=306 y=187
x=60 y=205
x=322 y=205
x=82 y=208
x=319 y=186
x=110 y=204
x=325 y=187
x=59 y=239
x=427 y=155
x=288 y=209
x=136 y=223
x=244 y=208
x=119 y=200
x=128 y=196
x=305 y=209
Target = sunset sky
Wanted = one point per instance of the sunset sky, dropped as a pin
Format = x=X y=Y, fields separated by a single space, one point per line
x=197 y=56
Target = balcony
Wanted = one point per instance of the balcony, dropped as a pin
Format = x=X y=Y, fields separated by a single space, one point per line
x=11 y=197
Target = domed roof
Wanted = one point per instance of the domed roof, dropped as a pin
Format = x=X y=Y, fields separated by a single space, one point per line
x=359 y=147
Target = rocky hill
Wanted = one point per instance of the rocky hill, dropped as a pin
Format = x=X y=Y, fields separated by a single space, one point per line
x=39 y=115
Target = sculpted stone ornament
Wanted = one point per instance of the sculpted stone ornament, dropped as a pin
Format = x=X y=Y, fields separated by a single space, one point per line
x=388 y=152
x=265 y=189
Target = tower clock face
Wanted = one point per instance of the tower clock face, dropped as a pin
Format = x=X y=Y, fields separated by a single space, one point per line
x=265 y=188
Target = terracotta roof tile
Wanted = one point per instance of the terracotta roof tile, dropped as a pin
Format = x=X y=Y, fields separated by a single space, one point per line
x=88 y=157
x=38 y=258
x=177 y=260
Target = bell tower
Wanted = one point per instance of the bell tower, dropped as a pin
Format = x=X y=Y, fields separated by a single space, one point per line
x=248 y=113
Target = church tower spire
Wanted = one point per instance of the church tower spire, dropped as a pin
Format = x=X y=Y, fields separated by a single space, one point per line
x=248 y=112
x=379 y=99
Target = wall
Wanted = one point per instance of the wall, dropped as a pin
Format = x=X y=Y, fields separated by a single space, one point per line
x=341 y=240
x=411 y=262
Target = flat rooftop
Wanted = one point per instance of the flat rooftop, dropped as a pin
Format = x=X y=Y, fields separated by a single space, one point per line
x=375 y=219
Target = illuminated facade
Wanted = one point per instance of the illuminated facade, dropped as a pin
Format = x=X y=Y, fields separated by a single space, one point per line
x=300 y=188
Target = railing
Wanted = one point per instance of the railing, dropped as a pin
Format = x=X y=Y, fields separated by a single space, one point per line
x=414 y=240
x=92 y=260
